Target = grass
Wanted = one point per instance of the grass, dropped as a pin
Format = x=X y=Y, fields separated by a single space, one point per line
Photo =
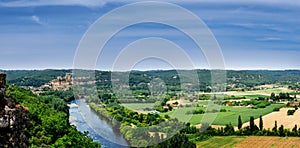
x=221 y=142
x=223 y=118
x=255 y=96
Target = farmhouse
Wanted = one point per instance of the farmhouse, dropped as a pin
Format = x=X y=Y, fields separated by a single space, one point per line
x=294 y=104
x=250 y=105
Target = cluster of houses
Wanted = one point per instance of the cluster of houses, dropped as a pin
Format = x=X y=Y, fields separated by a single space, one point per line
x=60 y=83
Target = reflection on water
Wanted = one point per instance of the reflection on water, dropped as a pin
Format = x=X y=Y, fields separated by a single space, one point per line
x=99 y=129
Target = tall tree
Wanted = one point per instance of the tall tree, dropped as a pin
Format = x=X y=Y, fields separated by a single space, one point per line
x=240 y=123
x=252 y=124
x=261 y=124
x=275 y=127
x=281 y=131
x=294 y=130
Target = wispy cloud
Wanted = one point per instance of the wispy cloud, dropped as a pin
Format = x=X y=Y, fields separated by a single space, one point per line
x=33 y=3
x=36 y=19
x=100 y=3
x=266 y=39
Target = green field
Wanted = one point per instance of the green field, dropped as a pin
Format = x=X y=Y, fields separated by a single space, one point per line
x=221 y=142
x=138 y=106
x=223 y=118
x=255 y=96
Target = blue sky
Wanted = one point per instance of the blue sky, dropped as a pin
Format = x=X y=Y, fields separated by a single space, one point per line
x=41 y=34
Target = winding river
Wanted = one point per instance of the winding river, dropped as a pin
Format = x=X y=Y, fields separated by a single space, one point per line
x=99 y=128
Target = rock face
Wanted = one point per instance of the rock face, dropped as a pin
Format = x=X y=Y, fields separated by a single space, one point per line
x=2 y=91
x=13 y=120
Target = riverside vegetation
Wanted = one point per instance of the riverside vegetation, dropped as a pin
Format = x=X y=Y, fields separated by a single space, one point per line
x=49 y=125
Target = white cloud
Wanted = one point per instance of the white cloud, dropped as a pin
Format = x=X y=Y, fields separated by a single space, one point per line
x=36 y=19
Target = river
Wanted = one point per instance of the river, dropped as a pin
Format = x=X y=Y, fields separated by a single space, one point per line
x=99 y=129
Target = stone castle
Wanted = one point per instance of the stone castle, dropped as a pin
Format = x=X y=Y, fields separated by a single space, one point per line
x=13 y=120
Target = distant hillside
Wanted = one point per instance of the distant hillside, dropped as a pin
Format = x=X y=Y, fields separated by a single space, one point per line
x=242 y=78
x=33 y=77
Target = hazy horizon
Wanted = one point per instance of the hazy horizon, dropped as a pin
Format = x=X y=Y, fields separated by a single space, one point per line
x=153 y=69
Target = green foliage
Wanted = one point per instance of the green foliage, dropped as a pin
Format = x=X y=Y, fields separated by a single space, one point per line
x=34 y=78
x=290 y=112
x=276 y=109
x=49 y=121
x=274 y=129
x=261 y=124
x=81 y=140
x=253 y=127
x=199 y=111
x=228 y=130
x=67 y=96
x=281 y=131
x=240 y=123
x=178 y=141
x=189 y=130
x=232 y=97
x=223 y=110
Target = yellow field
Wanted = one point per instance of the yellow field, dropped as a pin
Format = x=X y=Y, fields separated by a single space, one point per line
x=270 y=142
x=266 y=92
x=221 y=142
x=281 y=117
x=250 y=142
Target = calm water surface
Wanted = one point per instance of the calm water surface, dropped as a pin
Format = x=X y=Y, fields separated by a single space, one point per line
x=99 y=129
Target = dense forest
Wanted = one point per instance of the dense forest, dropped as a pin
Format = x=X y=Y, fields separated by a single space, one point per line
x=33 y=77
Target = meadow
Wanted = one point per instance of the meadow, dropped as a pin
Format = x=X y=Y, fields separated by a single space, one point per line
x=223 y=118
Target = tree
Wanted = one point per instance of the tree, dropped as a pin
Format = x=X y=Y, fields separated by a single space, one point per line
x=240 y=123
x=229 y=129
x=252 y=128
x=273 y=96
x=275 y=127
x=281 y=131
x=261 y=124
x=294 y=130
x=252 y=124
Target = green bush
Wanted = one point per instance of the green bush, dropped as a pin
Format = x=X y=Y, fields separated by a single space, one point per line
x=223 y=110
x=290 y=112
x=199 y=111
x=276 y=109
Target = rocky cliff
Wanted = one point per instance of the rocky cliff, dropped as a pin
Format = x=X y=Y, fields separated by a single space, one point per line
x=13 y=120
